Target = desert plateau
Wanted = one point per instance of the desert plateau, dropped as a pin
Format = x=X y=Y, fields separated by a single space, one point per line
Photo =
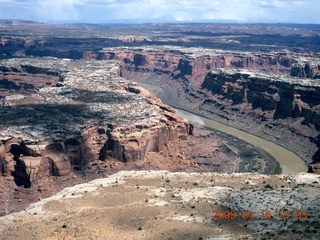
x=159 y=131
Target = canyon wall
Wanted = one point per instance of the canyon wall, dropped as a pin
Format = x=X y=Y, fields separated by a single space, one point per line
x=306 y=69
x=281 y=97
x=78 y=115
x=278 y=108
x=193 y=63
x=281 y=109
x=285 y=109
x=182 y=71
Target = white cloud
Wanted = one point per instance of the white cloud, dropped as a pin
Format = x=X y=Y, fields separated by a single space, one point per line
x=57 y=9
x=109 y=2
x=101 y=10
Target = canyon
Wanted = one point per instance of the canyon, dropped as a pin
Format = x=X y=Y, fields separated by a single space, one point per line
x=63 y=119
x=74 y=108
x=278 y=107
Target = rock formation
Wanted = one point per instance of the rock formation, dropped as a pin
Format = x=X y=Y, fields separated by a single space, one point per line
x=306 y=68
x=83 y=116
x=314 y=168
x=192 y=62
x=61 y=116
x=282 y=97
x=276 y=107
x=277 y=103
x=89 y=114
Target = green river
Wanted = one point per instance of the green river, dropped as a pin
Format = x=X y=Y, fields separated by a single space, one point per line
x=289 y=162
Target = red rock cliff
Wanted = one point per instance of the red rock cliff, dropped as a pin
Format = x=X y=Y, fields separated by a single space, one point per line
x=87 y=116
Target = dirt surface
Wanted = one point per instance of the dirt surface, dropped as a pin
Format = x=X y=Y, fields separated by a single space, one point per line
x=164 y=205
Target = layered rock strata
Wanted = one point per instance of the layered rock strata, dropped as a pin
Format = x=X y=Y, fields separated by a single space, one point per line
x=283 y=97
x=306 y=68
x=163 y=55
x=193 y=63
x=284 y=108
x=278 y=108
x=86 y=115
x=276 y=103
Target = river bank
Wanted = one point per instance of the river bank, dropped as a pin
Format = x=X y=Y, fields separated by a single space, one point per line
x=289 y=162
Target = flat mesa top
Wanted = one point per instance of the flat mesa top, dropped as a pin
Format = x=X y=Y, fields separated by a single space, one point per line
x=269 y=77
x=87 y=93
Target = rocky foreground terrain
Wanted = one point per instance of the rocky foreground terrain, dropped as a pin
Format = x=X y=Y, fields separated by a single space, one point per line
x=165 y=205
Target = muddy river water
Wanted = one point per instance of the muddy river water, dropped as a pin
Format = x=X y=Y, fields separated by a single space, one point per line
x=289 y=162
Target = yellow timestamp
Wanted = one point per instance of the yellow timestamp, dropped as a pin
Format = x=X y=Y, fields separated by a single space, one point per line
x=264 y=214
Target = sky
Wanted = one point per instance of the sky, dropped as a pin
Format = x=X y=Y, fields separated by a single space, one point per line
x=100 y=11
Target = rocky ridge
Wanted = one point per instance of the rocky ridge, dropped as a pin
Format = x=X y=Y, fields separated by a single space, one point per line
x=284 y=97
x=87 y=88
x=194 y=63
x=87 y=116
x=66 y=122
x=306 y=68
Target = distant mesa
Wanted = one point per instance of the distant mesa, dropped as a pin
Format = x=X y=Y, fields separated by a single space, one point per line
x=19 y=22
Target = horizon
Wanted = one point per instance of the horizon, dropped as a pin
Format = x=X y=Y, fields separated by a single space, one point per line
x=162 y=11
x=146 y=22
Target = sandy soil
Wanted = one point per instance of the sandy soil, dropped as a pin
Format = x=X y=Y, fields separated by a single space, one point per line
x=166 y=205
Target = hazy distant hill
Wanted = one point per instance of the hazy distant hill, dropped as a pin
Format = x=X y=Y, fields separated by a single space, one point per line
x=18 y=22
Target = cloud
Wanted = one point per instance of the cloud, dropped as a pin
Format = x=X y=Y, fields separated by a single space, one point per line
x=102 y=10
x=109 y=2
x=57 y=9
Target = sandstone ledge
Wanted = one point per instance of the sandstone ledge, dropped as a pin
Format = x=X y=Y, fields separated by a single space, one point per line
x=89 y=114
x=278 y=108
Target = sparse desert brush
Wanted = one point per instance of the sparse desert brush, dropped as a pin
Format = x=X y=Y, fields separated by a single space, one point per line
x=268 y=186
